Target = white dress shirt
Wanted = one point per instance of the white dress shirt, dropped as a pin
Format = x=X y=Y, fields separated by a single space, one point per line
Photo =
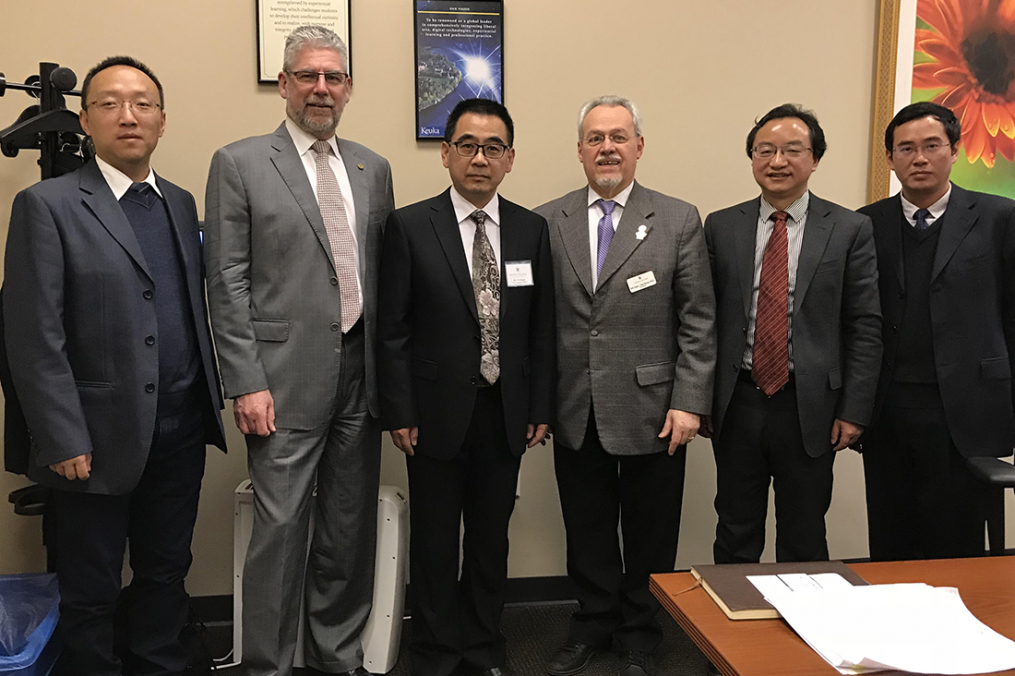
x=463 y=212
x=595 y=214
x=936 y=210
x=120 y=182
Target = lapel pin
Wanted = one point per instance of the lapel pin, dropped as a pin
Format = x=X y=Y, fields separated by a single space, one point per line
x=360 y=166
x=642 y=232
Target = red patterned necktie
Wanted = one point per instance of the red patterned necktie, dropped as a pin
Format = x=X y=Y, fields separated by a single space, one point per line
x=770 y=367
x=343 y=246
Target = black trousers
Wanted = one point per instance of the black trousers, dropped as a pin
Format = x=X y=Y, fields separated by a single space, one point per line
x=456 y=620
x=157 y=518
x=922 y=500
x=760 y=443
x=641 y=493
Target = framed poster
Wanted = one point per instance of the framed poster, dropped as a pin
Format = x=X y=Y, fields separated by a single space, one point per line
x=459 y=55
x=961 y=54
x=277 y=18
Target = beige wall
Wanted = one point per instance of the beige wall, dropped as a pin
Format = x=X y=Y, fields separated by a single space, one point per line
x=701 y=71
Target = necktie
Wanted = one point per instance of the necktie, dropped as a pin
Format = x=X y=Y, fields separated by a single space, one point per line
x=921 y=219
x=605 y=233
x=141 y=193
x=343 y=246
x=770 y=367
x=486 y=286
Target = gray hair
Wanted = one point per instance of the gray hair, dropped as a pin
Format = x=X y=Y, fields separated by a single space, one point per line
x=313 y=36
x=610 y=100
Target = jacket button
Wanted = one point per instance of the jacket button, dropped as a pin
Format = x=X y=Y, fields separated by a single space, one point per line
x=736 y=367
x=150 y=340
x=473 y=380
x=149 y=388
x=334 y=281
x=148 y=295
x=895 y=329
x=335 y=326
x=594 y=332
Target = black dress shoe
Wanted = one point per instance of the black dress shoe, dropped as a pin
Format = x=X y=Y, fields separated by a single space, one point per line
x=496 y=671
x=571 y=658
x=358 y=671
x=637 y=663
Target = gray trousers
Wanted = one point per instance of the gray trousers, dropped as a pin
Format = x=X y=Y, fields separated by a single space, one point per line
x=338 y=575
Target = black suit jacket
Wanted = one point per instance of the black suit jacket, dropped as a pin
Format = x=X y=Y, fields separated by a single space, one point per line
x=972 y=307
x=78 y=305
x=428 y=328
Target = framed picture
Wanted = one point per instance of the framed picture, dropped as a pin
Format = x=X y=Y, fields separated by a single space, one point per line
x=459 y=55
x=276 y=19
x=961 y=54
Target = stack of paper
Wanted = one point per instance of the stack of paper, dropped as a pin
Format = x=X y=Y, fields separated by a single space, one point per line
x=909 y=627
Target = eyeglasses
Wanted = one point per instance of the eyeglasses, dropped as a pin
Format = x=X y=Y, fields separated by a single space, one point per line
x=909 y=150
x=598 y=139
x=491 y=151
x=767 y=151
x=111 y=106
x=334 y=78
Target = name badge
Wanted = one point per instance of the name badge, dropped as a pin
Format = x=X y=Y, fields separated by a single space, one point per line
x=642 y=281
x=519 y=273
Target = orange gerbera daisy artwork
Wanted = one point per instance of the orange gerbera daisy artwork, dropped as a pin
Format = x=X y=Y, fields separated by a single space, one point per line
x=971 y=47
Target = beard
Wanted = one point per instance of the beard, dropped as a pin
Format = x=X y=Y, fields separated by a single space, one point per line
x=607 y=182
x=315 y=125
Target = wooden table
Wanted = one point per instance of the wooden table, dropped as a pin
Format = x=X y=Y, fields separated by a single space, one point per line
x=771 y=648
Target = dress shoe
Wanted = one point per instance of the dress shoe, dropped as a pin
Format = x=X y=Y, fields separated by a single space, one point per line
x=571 y=658
x=637 y=663
x=496 y=671
x=358 y=671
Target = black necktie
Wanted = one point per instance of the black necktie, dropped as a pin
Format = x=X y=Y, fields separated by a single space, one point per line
x=141 y=193
x=921 y=219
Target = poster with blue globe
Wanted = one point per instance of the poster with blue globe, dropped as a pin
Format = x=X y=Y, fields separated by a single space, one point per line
x=459 y=55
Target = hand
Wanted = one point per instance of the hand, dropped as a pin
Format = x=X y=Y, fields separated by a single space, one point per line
x=255 y=413
x=75 y=468
x=680 y=427
x=405 y=439
x=706 y=430
x=536 y=434
x=844 y=434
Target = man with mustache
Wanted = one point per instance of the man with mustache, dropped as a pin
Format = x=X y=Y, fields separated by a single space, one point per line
x=635 y=354
x=292 y=248
x=799 y=344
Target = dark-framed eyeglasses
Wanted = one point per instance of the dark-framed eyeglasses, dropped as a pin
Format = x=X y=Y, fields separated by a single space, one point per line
x=334 y=78
x=491 y=151
x=111 y=106
x=929 y=149
x=767 y=151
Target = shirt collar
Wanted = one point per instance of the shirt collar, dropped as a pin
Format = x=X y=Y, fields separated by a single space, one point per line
x=795 y=211
x=303 y=141
x=936 y=209
x=120 y=182
x=464 y=208
x=620 y=198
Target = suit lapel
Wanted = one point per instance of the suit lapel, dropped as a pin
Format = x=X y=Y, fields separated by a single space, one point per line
x=445 y=225
x=355 y=168
x=100 y=200
x=574 y=233
x=289 y=165
x=510 y=250
x=637 y=212
x=891 y=238
x=816 y=233
x=745 y=234
x=959 y=218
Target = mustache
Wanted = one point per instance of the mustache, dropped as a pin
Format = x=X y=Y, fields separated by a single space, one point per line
x=322 y=100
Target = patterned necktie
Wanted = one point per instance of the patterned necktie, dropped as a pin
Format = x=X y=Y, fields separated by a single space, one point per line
x=921 y=219
x=343 y=246
x=486 y=286
x=141 y=193
x=605 y=233
x=770 y=367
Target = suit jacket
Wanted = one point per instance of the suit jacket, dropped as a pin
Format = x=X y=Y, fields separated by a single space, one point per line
x=972 y=307
x=78 y=307
x=633 y=356
x=836 y=314
x=429 y=334
x=272 y=286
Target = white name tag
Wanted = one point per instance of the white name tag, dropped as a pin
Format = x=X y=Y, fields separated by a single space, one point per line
x=519 y=273
x=642 y=281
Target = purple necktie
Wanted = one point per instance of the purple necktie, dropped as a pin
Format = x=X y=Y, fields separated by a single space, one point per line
x=605 y=233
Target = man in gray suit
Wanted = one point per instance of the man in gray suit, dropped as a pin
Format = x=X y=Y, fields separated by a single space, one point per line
x=292 y=247
x=799 y=344
x=636 y=353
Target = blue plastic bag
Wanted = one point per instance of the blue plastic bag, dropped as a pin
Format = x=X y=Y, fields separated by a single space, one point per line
x=29 y=610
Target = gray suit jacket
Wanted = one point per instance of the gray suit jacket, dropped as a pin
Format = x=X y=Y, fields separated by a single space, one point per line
x=632 y=356
x=272 y=287
x=836 y=314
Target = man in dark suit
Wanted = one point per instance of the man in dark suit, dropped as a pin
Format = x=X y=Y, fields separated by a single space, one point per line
x=465 y=368
x=636 y=351
x=112 y=361
x=946 y=271
x=292 y=246
x=799 y=345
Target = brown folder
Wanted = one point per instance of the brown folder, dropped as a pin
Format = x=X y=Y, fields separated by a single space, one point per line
x=731 y=590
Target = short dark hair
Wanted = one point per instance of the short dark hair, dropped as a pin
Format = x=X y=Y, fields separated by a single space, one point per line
x=915 y=111
x=120 y=61
x=479 y=107
x=818 y=144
